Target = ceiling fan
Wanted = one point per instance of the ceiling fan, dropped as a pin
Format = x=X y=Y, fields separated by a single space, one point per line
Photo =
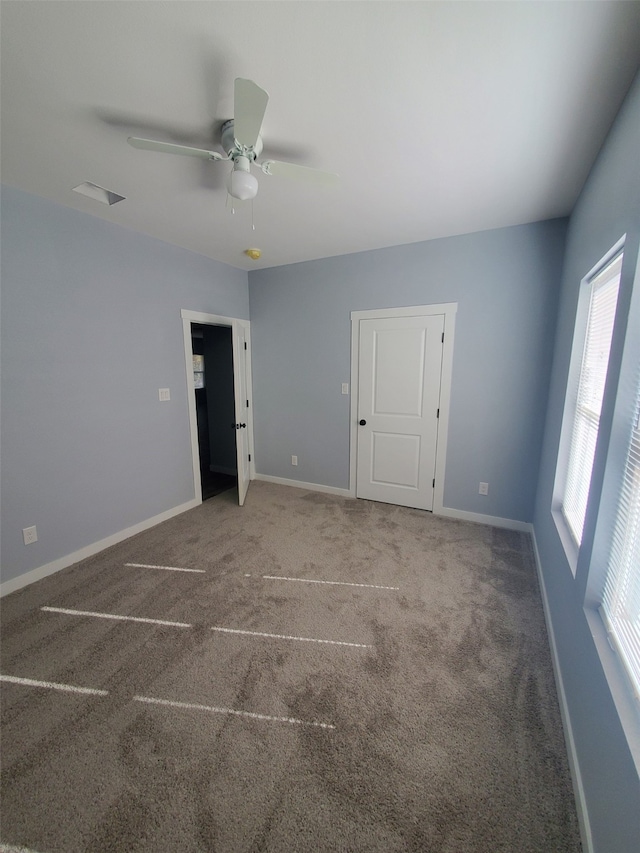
x=240 y=138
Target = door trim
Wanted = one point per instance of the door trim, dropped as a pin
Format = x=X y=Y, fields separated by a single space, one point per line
x=189 y=317
x=449 y=310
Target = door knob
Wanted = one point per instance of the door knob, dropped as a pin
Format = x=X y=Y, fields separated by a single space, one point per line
x=363 y=422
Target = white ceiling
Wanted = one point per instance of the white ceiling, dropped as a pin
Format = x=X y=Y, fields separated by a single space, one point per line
x=441 y=118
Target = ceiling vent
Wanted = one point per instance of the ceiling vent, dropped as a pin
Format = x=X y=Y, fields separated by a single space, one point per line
x=98 y=193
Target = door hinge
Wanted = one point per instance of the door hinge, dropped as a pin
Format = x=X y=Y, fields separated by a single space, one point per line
x=247 y=404
x=438 y=413
x=249 y=457
x=245 y=344
x=443 y=337
x=433 y=485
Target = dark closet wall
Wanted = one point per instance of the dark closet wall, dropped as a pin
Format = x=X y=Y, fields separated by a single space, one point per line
x=218 y=378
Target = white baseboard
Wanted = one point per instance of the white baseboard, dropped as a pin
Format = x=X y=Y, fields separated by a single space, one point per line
x=310 y=487
x=89 y=550
x=494 y=521
x=574 y=765
x=479 y=518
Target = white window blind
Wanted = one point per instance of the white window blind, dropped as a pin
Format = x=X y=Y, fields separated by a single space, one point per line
x=593 y=374
x=621 y=599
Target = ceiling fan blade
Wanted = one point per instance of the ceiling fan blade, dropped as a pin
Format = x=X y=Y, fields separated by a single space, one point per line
x=249 y=106
x=170 y=148
x=305 y=173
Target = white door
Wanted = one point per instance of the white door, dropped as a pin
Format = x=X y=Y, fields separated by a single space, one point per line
x=240 y=367
x=399 y=376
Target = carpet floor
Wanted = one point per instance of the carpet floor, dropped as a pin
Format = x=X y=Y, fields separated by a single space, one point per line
x=331 y=675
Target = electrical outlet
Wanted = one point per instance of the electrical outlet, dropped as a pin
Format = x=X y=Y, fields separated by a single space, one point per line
x=484 y=489
x=29 y=534
x=163 y=395
x=294 y=460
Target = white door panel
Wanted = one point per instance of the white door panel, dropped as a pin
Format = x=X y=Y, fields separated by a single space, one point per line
x=395 y=459
x=400 y=362
x=242 y=413
x=398 y=371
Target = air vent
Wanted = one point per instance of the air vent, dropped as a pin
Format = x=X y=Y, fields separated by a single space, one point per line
x=98 y=193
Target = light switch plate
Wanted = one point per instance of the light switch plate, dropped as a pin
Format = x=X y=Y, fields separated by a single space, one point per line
x=164 y=395
x=345 y=387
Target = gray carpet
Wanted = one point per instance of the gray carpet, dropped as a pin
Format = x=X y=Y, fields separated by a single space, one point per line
x=429 y=723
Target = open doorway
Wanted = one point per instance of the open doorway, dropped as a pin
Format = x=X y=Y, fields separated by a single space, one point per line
x=215 y=407
x=240 y=425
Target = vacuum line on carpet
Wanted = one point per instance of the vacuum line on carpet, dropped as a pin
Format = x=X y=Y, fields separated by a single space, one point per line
x=213 y=710
x=52 y=685
x=69 y=612
x=166 y=568
x=288 y=637
x=331 y=583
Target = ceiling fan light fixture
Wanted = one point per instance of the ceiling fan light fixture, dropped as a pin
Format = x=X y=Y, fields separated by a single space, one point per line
x=242 y=184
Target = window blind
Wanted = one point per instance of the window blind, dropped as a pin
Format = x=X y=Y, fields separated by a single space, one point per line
x=593 y=374
x=621 y=598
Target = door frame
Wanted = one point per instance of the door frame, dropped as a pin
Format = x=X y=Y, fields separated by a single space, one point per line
x=234 y=323
x=448 y=309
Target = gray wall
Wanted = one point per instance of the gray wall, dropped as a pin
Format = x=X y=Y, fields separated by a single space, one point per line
x=505 y=283
x=609 y=207
x=91 y=328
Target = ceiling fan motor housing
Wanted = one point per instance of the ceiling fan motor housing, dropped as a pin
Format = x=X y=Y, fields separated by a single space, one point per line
x=234 y=148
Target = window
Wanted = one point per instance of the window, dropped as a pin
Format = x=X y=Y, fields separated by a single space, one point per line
x=603 y=297
x=621 y=600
